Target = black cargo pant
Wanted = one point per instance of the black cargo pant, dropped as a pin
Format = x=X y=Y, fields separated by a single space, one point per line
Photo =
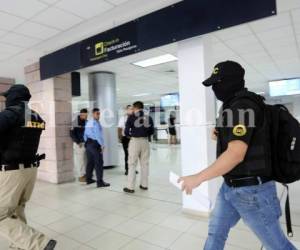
x=95 y=161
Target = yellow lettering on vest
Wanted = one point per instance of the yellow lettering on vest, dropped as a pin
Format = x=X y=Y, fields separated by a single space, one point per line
x=29 y=124
x=41 y=125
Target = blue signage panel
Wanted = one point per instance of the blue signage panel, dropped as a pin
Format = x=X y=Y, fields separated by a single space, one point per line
x=186 y=19
x=60 y=62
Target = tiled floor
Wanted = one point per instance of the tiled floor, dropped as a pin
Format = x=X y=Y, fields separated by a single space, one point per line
x=82 y=218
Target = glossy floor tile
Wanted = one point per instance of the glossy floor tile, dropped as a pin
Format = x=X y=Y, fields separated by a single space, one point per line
x=86 y=218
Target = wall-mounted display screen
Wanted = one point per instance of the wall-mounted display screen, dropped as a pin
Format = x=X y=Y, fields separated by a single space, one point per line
x=170 y=100
x=285 y=87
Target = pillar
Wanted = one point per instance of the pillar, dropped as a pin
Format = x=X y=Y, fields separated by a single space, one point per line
x=5 y=84
x=52 y=99
x=104 y=94
x=197 y=107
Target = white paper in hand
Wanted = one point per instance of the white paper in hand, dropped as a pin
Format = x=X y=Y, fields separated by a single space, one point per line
x=198 y=196
x=174 y=180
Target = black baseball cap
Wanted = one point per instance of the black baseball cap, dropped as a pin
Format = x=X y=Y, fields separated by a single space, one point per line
x=18 y=90
x=225 y=69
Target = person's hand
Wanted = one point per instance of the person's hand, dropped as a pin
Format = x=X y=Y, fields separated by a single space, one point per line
x=214 y=134
x=189 y=183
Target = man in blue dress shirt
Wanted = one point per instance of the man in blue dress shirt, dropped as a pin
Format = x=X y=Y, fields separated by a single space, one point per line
x=94 y=142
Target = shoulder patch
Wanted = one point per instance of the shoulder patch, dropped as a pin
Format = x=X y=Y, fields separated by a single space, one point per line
x=240 y=130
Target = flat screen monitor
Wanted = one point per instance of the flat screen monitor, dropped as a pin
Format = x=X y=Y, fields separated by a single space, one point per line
x=285 y=87
x=170 y=100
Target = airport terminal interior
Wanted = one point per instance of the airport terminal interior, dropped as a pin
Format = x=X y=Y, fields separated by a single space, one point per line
x=167 y=78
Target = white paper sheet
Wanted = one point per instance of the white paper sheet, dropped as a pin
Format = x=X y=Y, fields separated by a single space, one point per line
x=174 y=180
x=199 y=197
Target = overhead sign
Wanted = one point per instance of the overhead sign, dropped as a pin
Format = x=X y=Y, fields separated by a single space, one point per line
x=115 y=43
x=183 y=20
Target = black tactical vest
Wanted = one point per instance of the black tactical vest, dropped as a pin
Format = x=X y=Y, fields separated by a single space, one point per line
x=258 y=158
x=22 y=141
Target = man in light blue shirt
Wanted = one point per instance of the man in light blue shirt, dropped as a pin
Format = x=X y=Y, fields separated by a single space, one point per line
x=94 y=141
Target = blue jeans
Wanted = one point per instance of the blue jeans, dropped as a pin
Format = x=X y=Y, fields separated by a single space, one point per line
x=259 y=208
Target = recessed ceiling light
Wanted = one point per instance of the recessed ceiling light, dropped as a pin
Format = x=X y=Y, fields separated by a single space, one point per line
x=156 y=61
x=141 y=94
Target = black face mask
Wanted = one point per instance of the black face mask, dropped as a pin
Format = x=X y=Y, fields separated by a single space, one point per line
x=227 y=88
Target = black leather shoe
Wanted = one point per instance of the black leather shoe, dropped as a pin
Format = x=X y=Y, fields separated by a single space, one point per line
x=127 y=190
x=143 y=188
x=103 y=184
x=51 y=245
x=90 y=182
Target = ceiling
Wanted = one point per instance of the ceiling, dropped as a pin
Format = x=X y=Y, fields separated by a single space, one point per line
x=268 y=49
x=30 y=29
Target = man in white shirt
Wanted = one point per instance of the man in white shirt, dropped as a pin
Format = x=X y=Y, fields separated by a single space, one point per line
x=121 y=132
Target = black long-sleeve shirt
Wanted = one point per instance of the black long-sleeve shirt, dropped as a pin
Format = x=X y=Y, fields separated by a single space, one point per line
x=139 y=125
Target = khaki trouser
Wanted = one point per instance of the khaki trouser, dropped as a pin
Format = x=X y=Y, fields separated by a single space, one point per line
x=80 y=159
x=15 y=190
x=139 y=149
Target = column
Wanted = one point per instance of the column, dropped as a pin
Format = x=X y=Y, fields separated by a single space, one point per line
x=5 y=84
x=104 y=94
x=197 y=107
x=52 y=99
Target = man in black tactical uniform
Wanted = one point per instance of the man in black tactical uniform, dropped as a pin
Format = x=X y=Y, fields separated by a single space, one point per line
x=20 y=131
x=244 y=160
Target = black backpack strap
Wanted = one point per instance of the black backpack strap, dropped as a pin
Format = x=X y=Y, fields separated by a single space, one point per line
x=254 y=98
x=288 y=218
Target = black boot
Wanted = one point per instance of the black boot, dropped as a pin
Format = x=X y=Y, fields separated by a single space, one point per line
x=51 y=245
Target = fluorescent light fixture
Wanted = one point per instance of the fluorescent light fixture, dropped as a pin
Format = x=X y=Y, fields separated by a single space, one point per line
x=285 y=87
x=156 y=61
x=141 y=94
